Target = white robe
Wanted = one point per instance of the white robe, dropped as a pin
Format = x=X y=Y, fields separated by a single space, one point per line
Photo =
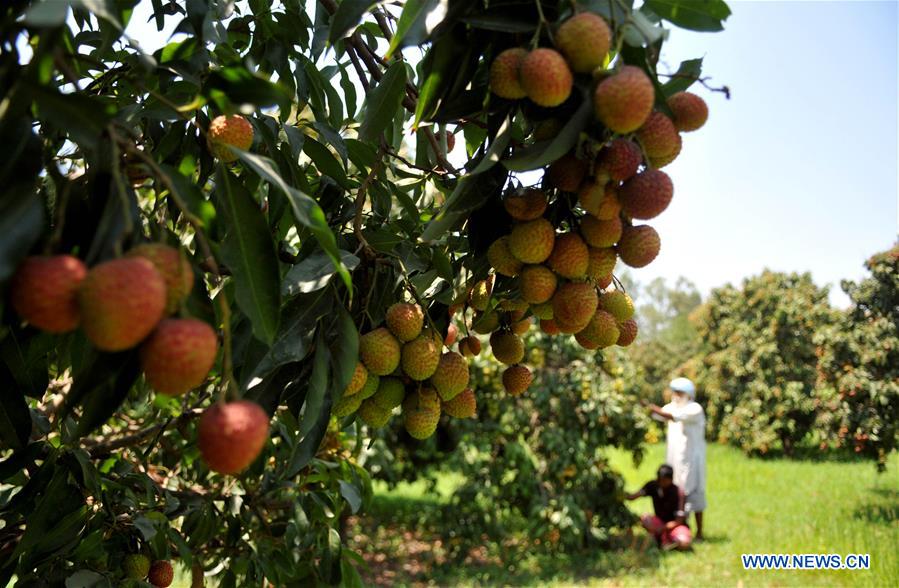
x=686 y=445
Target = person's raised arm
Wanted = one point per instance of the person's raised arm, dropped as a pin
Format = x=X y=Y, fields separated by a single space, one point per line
x=638 y=494
x=656 y=409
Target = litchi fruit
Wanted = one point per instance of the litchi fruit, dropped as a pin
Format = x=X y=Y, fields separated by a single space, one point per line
x=161 y=574
x=689 y=110
x=584 y=40
x=178 y=355
x=405 y=320
x=569 y=257
x=380 y=351
x=532 y=241
x=610 y=206
x=601 y=233
x=121 y=302
x=421 y=357
x=624 y=100
x=225 y=131
x=390 y=394
x=421 y=413
x=45 y=292
x=136 y=566
x=602 y=330
x=549 y=327
x=591 y=195
x=517 y=379
x=544 y=310
x=538 y=284
x=628 y=332
x=621 y=159
x=545 y=77
x=618 y=304
x=602 y=262
x=520 y=327
x=347 y=405
x=452 y=331
x=647 y=194
x=463 y=406
x=526 y=205
x=231 y=435
x=501 y=259
x=663 y=160
x=485 y=322
x=174 y=268
x=639 y=245
x=573 y=306
x=470 y=346
x=480 y=295
x=451 y=376
x=566 y=173
x=658 y=135
x=374 y=415
x=370 y=387
x=504 y=74
x=507 y=347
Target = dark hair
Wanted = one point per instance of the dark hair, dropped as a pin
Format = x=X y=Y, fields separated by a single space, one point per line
x=666 y=471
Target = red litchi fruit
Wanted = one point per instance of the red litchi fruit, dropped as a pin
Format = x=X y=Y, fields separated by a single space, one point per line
x=121 y=302
x=44 y=292
x=538 y=284
x=405 y=321
x=517 y=379
x=231 y=435
x=569 y=257
x=161 y=574
x=658 y=135
x=226 y=132
x=584 y=40
x=621 y=159
x=601 y=233
x=573 y=306
x=504 y=74
x=545 y=77
x=567 y=173
x=178 y=355
x=624 y=100
x=689 y=110
x=639 y=245
x=174 y=268
x=646 y=195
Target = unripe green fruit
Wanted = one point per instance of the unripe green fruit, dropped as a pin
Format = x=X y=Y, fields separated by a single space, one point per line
x=420 y=357
x=225 y=131
x=380 y=351
x=390 y=394
x=121 y=302
x=347 y=405
x=507 y=347
x=451 y=376
x=463 y=406
x=373 y=414
x=501 y=259
x=543 y=311
x=618 y=304
x=405 y=320
x=357 y=381
x=486 y=322
x=136 y=566
x=44 y=292
x=532 y=241
x=504 y=74
x=480 y=295
x=421 y=413
x=545 y=77
x=174 y=268
x=178 y=355
x=370 y=387
x=584 y=39
x=602 y=330
x=624 y=100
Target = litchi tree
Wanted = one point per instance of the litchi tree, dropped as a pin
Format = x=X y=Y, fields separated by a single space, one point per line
x=226 y=261
x=858 y=364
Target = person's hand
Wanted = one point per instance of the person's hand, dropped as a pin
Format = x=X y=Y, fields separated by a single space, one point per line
x=644 y=402
x=671 y=524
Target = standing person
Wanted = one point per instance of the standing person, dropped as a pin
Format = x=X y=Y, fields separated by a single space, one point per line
x=686 y=444
x=668 y=525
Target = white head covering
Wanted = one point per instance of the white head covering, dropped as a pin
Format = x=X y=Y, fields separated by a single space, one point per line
x=684 y=386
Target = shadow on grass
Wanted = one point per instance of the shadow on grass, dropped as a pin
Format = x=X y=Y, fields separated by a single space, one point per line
x=714 y=539
x=881 y=512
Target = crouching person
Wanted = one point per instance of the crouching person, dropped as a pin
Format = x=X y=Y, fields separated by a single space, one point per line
x=668 y=524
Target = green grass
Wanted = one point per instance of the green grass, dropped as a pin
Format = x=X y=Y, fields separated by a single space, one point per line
x=755 y=506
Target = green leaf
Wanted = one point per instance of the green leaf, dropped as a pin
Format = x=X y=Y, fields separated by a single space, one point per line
x=325 y=161
x=545 y=152
x=316 y=411
x=343 y=339
x=347 y=17
x=15 y=418
x=471 y=193
x=87 y=579
x=695 y=15
x=381 y=103
x=313 y=273
x=21 y=224
x=100 y=386
x=497 y=147
x=306 y=211
x=242 y=86
x=82 y=117
x=439 y=69
x=501 y=23
x=47 y=13
x=352 y=495
x=685 y=76
x=412 y=29
x=249 y=252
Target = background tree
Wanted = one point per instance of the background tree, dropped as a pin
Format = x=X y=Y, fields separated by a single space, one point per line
x=756 y=364
x=858 y=363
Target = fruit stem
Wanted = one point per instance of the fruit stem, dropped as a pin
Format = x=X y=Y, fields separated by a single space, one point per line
x=544 y=24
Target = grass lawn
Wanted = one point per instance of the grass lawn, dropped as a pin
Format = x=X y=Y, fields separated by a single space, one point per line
x=755 y=506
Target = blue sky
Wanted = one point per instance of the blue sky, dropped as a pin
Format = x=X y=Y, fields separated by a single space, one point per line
x=798 y=170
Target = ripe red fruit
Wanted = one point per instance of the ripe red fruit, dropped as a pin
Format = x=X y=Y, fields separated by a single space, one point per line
x=624 y=100
x=639 y=245
x=584 y=39
x=178 y=355
x=121 y=302
x=689 y=110
x=545 y=77
x=646 y=195
x=504 y=79
x=45 y=292
x=628 y=332
x=161 y=574
x=620 y=159
x=567 y=173
x=224 y=131
x=231 y=435
x=658 y=136
x=526 y=205
x=174 y=268
x=517 y=379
